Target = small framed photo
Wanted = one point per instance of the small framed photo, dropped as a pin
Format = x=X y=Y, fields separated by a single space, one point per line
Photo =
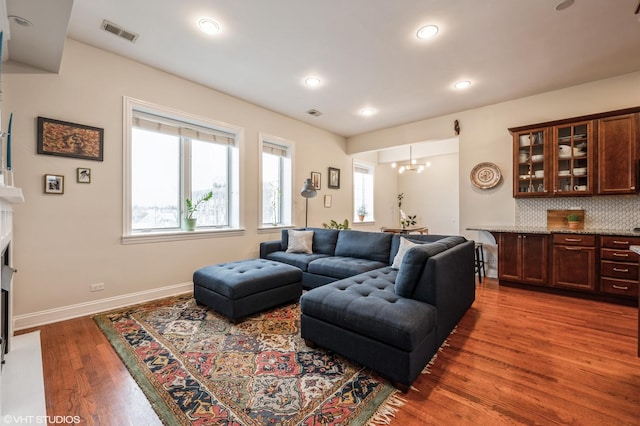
x=315 y=178
x=84 y=175
x=327 y=200
x=57 y=137
x=53 y=184
x=334 y=178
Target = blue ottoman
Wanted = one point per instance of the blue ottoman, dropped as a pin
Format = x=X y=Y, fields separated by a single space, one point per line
x=239 y=289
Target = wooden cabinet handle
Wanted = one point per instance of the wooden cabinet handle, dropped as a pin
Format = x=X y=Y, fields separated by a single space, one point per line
x=574 y=248
x=620 y=287
x=573 y=240
x=621 y=270
x=621 y=254
x=620 y=242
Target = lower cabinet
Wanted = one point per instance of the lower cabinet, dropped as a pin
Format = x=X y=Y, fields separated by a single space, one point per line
x=599 y=264
x=574 y=261
x=523 y=258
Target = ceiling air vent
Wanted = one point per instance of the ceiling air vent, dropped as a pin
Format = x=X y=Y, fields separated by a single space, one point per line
x=119 y=31
x=314 y=112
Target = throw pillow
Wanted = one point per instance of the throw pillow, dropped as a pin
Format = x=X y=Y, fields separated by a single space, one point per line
x=300 y=241
x=402 y=250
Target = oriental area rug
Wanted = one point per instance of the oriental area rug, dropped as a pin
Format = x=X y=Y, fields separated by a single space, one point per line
x=198 y=368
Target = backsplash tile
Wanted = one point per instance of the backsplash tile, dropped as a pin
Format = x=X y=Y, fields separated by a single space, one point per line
x=604 y=212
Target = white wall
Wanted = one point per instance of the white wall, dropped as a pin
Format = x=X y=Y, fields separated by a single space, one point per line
x=484 y=137
x=64 y=243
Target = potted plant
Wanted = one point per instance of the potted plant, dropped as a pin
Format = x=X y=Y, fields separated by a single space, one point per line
x=335 y=225
x=362 y=212
x=192 y=207
x=574 y=221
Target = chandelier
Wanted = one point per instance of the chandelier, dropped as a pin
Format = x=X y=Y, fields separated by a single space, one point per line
x=409 y=166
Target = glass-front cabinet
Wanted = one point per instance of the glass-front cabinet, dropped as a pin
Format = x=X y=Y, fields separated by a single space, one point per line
x=531 y=174
x=573 y=159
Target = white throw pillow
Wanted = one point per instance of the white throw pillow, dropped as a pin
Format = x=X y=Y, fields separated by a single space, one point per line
x=402 y=250
x=300 y=241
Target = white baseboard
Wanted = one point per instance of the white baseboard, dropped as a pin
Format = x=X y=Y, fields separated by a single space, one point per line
x=63 y=313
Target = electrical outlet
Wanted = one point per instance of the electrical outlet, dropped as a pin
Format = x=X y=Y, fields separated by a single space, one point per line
x=97 y=287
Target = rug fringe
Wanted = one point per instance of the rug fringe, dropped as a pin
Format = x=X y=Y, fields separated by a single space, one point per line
x=387 y=411
x=445 y=344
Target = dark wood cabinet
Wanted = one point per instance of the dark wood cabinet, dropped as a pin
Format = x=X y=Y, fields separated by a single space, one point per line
x=523 y=258
x=618 y=154
x=582 y=156
x=618 y=266
x=574 y=261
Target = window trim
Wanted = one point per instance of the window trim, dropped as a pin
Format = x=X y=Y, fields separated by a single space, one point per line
x=276 y=140
x=237 y=185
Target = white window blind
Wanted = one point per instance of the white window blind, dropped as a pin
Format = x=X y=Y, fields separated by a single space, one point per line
x=275 y=149
x=168 y=126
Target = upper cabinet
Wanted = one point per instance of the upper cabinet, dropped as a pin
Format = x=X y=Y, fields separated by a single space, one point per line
x=582 y=156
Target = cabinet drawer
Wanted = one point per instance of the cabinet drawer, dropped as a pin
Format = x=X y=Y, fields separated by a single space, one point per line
x=619 y=242
x=621 y=287
x=618 y=255
x=574 y=239
x=627 y=271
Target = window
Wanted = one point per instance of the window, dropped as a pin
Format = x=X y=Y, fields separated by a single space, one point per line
x=170 y=157
x=363 y=192
x=276 y=181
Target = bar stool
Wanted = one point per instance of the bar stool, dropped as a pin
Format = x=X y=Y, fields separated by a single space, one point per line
x=480 y=262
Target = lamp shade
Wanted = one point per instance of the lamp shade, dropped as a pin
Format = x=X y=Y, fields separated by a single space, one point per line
x=308 y=190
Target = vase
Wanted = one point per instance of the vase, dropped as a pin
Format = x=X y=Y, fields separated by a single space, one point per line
x=574 y=225
x=190 y=224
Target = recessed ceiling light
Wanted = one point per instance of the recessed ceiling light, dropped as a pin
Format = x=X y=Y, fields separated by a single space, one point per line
x=462 y=84
x=312 y=81
x=209 y=26
x=428 y=31
x=368 y=111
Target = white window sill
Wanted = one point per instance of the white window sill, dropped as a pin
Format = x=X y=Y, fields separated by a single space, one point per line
x=156 y=237
x=266 y=229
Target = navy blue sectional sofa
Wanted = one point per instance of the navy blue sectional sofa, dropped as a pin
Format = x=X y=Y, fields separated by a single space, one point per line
x=392 y=320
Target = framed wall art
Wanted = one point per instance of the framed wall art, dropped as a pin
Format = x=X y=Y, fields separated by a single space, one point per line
x=315 y=179
x=65 y=139
x=53 y=184
x=334 y=178
x=327 y=201
x=84 y=175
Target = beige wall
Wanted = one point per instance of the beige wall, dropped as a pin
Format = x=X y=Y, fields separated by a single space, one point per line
x=484 y=137
x=65 y=243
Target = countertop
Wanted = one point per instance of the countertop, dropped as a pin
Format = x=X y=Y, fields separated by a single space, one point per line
x=545 y=230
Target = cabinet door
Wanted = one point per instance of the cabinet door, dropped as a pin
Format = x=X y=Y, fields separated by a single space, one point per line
x=531 y=158
x=509 y=255
x=574 y=267
x=573 y=159
x=617 y=154
x=534 y=258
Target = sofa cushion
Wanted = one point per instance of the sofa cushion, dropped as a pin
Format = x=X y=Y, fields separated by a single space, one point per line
x=300 y=241
x=299 y=260
x=324 y=240
x=405 y=245
x=367 y=304
x=364 y=245
x=415 y=260
x=342 y=267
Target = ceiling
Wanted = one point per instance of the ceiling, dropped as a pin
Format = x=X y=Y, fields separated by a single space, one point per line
x=365 y=52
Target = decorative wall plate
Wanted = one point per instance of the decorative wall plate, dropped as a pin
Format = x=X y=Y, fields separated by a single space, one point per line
x=485 y=175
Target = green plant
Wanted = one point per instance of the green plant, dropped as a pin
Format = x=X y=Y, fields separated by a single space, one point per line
x=573 y=218
x=362 y=210
x=192 y=207
x=335 y=225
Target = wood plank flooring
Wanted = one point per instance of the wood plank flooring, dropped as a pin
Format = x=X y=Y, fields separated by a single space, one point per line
x=517 y=357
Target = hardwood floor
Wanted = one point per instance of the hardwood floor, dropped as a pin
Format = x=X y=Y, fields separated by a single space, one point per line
x=517 y=357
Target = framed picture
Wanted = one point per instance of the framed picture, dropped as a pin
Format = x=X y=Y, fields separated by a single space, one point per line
x=315 y=178
x=84 y=175
x=69 y=140
x=327 y=200
x=334 y=178
x=53 y=184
